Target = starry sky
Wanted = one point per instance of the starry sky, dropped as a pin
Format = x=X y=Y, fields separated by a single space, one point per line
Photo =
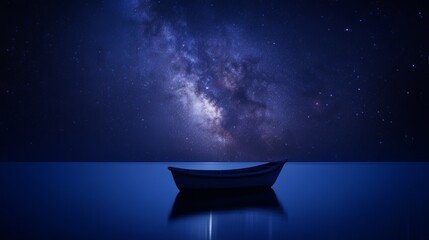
x=143 y=80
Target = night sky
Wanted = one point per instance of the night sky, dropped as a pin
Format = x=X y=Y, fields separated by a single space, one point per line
x=214 y=81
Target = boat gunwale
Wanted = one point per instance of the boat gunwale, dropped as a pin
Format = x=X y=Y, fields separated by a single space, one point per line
x=230 y=173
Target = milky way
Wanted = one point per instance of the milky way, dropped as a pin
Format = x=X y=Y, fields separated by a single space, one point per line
x=218 y=85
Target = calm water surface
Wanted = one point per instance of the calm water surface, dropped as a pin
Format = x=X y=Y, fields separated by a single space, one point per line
x=140 y=201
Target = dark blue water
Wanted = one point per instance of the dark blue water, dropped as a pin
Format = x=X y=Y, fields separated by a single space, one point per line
x=140 y=201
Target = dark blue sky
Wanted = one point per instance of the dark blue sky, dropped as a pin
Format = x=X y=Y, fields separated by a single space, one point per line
x=214 y=81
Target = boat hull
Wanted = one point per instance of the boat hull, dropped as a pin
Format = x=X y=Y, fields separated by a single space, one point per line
x=256 y=178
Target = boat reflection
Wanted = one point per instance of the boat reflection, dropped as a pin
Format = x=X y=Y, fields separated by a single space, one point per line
x=189 y=204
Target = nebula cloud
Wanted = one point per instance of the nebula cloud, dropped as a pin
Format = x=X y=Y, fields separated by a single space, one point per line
x=219 y=83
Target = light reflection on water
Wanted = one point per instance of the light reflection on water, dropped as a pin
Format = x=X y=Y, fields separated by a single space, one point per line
x=140 y=201
x=241 y=212
x=229 y=225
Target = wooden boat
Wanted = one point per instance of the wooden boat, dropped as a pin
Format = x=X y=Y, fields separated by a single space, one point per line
x=262 y=176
